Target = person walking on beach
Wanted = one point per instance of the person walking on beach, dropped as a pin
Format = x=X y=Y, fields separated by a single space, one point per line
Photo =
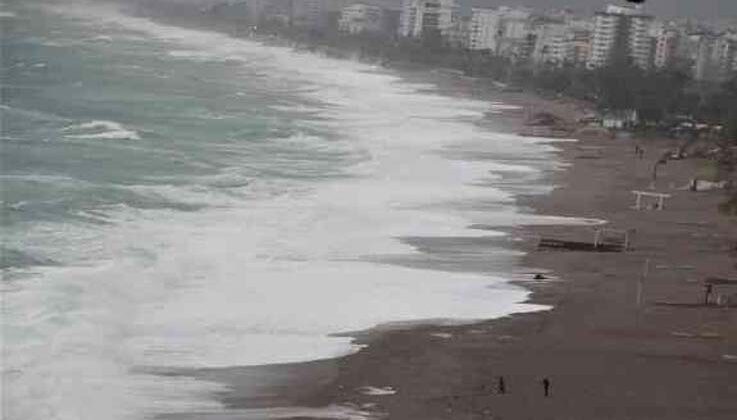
x=501 y=387
x=546 y=386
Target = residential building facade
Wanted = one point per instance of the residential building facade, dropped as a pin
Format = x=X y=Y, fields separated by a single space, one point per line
x=666 y=47
x=484 y=29
x=621 y=32
x=552 y=44
x=424 y=17
x=361 y=18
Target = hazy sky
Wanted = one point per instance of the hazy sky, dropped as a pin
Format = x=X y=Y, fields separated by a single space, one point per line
x=667 y=8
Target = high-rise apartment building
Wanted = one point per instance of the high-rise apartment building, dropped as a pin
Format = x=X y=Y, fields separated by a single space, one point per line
x=427 y=17
x=551 y=44
x=723 y=54
x=484 y=29
x=666 y=47
x=713 y=56
x=308 y=13
x=621 y=33
x=517 y=36
x=360 y=18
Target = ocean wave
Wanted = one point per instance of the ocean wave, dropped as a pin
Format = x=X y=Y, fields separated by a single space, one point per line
x=189 y=54
x=31 y=113
x=14 y=258
x=101 y=38
x=106 y=130
x=501 y=106
x=271 y=278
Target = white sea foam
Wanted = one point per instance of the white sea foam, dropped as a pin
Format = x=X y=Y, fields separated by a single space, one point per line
x=375 y=391
x=105 y=130
x=102 y=38
x=269 y=279
x=501 y=106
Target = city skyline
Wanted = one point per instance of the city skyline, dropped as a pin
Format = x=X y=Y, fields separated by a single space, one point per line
x=704 y=9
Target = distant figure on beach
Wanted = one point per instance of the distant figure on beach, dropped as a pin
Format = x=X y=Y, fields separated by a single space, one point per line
x=707 y=293
x=546 y=386
x=639 y=151
x=501 y=388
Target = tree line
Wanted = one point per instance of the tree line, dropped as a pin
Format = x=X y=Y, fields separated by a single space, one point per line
x=658 y=95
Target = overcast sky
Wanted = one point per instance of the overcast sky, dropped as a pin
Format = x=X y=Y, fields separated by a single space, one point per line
x=709 y=9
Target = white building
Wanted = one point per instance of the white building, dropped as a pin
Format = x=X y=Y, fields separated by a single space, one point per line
x=714 y=56
x=701 y=51
x=459 y=33
x=422 y=17
x=723 y=54
x=516 y=22
x=484 y=29
x=308 y=13
x=516 y=36
x=360 y=18
x=552 y=43
x=621 y=24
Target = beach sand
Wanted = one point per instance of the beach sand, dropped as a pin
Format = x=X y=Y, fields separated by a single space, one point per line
x=605 y=358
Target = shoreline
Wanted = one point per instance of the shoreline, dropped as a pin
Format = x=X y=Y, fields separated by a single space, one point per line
x=604 y=358
x=587 y=344
x=267 y=391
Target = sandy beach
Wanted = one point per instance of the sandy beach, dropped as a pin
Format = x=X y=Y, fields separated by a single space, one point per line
x=605 y=359
x=605 y=355
x=203 y=226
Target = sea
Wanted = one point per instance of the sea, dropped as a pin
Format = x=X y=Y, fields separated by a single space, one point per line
x=177 y=198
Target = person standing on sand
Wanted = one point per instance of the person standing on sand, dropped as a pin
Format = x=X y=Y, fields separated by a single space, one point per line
x=501 y=387
x=707 y=293
x=546 y=386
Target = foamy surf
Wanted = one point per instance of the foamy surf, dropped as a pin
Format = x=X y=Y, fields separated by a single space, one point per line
x=106 y=130
x=273 y=250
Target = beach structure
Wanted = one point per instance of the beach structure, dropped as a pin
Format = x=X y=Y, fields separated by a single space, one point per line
x=718 y=292
x=659 y=198
x=605 y=240
x=618 y=120
x=604 y=236
x=719 y=287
